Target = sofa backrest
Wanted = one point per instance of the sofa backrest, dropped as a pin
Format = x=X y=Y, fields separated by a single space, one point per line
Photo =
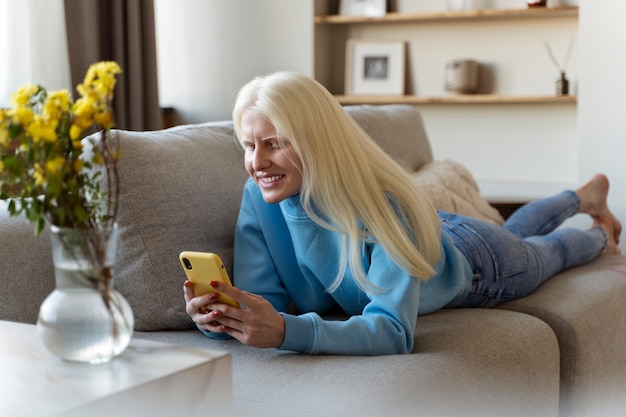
x=398 y=129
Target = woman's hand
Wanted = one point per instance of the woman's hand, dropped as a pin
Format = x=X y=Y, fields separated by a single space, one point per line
x=256 y=323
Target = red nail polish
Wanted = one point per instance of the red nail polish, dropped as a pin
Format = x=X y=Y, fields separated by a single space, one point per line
x=213 y=284
x=187 y=284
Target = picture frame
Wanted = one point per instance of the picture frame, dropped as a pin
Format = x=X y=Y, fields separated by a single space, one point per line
x=375 y=67
x=368 y=8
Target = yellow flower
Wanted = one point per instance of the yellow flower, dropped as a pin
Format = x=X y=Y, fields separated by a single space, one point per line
x=40 y=129
x=22 y=115
x=78 y=165
x=77 y=144
x=4 y=136
x=84 y=105
x=55 y=165
x=75 y=132
x=104 y=118
x=84 y=110
x=107 y=70
x=39 y=176
x=43 y=131
x=100 y=79
x=57 y=103
x=23 y=95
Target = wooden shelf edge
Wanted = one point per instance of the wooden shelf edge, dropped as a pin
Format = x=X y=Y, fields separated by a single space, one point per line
x=468 y=15
x=458 y=99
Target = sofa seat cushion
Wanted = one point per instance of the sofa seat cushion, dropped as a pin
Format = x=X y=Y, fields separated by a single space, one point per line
x=584 y=306
x=491 y=363
x=453 y=188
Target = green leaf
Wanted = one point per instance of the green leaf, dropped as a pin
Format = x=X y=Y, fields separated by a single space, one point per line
x=55 y=185
x=39 y=226
x=13 y=165
x=14 y=129
x=81 y=213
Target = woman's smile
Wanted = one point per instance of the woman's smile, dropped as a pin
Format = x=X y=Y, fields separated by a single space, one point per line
x=270 y=180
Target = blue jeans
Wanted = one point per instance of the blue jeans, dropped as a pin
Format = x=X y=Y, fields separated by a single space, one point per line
x=512 y=260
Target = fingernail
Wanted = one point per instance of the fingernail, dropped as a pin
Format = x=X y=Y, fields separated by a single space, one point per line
x=213 y=284
x=187 y=284
x=215 y=313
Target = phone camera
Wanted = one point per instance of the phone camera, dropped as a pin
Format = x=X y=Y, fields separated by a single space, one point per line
x=187 y=263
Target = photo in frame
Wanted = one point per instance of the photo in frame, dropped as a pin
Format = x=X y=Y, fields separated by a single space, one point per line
x=375 y=67
x=368 y=8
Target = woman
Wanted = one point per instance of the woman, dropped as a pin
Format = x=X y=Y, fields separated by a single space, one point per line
x=329 y=220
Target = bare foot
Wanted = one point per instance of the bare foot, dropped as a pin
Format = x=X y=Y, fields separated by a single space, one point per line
x=593 y=197
x=611 y=245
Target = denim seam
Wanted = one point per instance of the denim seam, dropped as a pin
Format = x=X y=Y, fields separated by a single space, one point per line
x=499 y=275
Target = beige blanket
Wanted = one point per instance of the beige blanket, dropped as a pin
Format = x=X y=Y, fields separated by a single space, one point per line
x=452 y=188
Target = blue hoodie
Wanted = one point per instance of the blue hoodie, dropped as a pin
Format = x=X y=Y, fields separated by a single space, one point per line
x=284 y=256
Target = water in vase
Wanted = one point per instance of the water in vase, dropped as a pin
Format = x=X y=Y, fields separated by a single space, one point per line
x=74 y=322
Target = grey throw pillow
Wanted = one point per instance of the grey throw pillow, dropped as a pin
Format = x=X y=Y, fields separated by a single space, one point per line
x=180 y=190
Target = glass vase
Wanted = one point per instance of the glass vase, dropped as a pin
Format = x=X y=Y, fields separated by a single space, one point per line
x=84 y=319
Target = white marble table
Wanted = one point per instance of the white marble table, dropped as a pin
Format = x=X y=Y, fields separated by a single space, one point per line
x=148 y=379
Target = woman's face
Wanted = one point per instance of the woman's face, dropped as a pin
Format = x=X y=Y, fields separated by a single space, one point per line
x=270 y=160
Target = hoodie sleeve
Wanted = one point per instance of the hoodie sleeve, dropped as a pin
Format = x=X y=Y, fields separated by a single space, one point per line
x=386 y=324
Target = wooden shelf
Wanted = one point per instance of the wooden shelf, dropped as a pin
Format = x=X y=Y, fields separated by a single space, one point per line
x=464 y=15
x=453 y=99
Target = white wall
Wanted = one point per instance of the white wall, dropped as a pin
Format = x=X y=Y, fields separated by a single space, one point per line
x=602 y=103
x=207 y=49
x=33 y=46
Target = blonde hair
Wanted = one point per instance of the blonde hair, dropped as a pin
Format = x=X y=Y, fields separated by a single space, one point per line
x=349 y=184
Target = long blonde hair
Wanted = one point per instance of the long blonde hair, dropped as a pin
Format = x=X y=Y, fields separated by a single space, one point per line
x=349 y=184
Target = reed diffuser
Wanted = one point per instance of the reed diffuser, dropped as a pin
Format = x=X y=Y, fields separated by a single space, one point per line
x=562 y=83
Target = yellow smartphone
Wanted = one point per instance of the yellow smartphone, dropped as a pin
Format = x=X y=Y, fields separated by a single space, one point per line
x=203 y=267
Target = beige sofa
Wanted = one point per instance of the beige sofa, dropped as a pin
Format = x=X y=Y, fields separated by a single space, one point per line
x=559 y=351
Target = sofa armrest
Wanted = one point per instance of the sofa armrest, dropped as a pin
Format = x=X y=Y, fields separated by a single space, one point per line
x=26 y=270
